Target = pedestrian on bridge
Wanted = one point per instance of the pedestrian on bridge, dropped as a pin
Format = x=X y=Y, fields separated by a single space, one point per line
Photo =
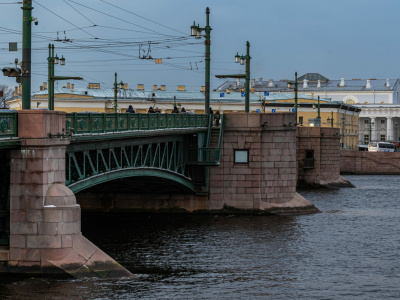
x=217 y=117
x=130 y=110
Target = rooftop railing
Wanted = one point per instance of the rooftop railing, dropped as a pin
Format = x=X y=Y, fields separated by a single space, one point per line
x=83 y=123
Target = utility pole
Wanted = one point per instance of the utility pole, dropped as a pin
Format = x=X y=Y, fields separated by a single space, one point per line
x=115 y=93
x=26 y=53
x=247 y=90
x=208 y=60
x=196 y=32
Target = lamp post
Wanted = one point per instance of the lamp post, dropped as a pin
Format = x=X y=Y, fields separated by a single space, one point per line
x=343 y=132
x=116 y=87
x=51 y=61
x=26 y=53
x=295 y=83
x=196 y=32
x=243 y=60
x=331 y=119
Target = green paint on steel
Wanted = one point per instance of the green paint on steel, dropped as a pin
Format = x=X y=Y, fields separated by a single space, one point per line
x=115 y=122
x=131 y=172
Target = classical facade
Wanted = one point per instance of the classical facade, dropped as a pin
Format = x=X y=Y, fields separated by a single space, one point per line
x=378 y=99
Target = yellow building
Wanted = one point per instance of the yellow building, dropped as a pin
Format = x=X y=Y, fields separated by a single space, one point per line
x=332 y=114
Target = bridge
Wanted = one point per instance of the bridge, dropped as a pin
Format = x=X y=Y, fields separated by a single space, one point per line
x=50 y=161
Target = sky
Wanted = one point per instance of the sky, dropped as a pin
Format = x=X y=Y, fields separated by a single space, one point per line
x=338 y=39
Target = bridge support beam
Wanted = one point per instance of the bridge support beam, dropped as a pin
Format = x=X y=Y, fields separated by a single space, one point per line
x=45 y=221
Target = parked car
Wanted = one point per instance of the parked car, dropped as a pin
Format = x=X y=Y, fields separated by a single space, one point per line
x=381 y=147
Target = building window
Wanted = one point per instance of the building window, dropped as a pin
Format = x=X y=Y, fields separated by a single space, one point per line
x=366 y=137
x=382 y=121
x=383 y=137
x=301 y=120
x=241 y=156
x=366 y=121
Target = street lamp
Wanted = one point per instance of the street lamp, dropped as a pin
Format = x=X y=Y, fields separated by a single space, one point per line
x=53 y=60
x=289 y=85
x=331 y=119
x=246 y=59
x=196 y=32
x=117 y=86
x=242 y=60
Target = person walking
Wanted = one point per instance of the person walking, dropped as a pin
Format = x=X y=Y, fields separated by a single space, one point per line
x=175 y=111
x=217 y=117
x=130 y=110
x=151 y=110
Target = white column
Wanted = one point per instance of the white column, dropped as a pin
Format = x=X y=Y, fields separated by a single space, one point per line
x=389 y=130
x=373 y=132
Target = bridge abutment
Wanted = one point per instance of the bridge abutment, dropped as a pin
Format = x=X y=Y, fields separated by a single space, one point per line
x=265 y=181
x=45 y=221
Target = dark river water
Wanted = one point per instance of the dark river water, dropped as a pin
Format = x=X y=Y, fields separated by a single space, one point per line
x=349 y=251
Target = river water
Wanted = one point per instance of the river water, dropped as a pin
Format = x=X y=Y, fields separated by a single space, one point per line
x=349 y=251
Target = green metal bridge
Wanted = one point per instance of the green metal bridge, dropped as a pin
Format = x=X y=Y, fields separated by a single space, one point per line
x=173 y=150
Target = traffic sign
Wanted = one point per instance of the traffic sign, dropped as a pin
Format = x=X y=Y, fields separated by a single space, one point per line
x=222 y=94
x=258 y=110
x=293 y=110
x=266 y=93
x=273 y=110
x=243 y=94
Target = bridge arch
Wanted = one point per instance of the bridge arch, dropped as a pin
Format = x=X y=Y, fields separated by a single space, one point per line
x=132 y=172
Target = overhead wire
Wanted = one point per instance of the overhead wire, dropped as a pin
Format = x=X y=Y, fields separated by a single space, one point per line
x=117 y=18
x=142 y=17
x=37 y=2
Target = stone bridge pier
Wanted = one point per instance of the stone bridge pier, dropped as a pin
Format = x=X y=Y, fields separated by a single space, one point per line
x=45 y=220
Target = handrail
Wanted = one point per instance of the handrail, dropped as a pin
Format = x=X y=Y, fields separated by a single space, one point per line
x=8 y=124
x=78 y=123
x=210 y=124
x=221 y=130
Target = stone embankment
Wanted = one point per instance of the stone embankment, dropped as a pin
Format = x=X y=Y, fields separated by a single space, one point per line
x=369 y=163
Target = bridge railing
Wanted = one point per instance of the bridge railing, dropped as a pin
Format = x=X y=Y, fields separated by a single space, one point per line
x=80 y=123
x=8 y=124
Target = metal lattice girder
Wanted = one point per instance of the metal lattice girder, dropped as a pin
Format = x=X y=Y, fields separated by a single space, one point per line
x=92 y=160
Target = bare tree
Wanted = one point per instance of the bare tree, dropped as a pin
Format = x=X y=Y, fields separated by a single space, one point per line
x=8 y=93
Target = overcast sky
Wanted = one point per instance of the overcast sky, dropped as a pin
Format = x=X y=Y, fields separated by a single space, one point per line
x=340 y=38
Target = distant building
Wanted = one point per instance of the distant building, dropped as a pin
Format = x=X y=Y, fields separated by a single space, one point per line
x=379 y=99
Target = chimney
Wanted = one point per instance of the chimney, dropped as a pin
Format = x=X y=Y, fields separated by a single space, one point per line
x=45 y=85
x=72 y=87
x=41 y=87
x=368 y=86
x=260 y=80
x=271 y=83
x=387 y=83
x=252 y=83
x=305 y=84
x=342 y=82
x=68 y=85
x=181 y=88
x=154 y=87
x=94 y=86
x=237 y=83
x=140 y=87
x=16 y=92
x=163 y=87
x=319 y=83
